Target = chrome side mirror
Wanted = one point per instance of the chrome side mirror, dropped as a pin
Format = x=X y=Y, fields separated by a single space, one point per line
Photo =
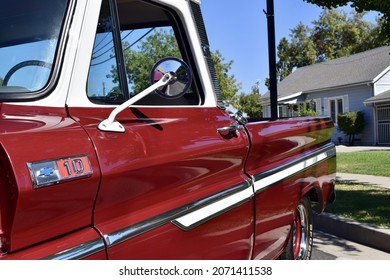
x=170 y=78
x=181 y=77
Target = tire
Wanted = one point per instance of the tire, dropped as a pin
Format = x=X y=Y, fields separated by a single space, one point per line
x=300 y=243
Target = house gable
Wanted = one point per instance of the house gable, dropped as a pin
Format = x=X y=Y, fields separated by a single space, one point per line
x=361 y=68
x=382 y=84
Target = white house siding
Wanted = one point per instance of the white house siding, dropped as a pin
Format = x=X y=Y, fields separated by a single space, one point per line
x=383 y=84
x=353 y=98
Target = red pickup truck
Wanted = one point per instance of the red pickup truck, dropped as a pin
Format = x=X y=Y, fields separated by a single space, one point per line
x=114 y=143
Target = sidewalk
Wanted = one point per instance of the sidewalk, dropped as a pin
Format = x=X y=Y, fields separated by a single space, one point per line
x=349 y=149
x=378 y=181
x=361 y=233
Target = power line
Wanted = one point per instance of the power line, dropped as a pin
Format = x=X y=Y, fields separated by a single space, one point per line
x=139 y=39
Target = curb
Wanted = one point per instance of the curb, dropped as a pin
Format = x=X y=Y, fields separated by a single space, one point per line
x=361 y=233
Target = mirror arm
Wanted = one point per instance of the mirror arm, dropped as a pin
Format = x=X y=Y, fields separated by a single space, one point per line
x=111 y=124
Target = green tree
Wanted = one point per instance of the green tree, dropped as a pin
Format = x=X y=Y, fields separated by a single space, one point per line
x=363 y=35
x=336 y=35
x=302 y=48
x=328 y=34
x=228 y=84
x=250 y=103
x=381 y=6
x=139 y=61
x=284 y=66
x=300 y=52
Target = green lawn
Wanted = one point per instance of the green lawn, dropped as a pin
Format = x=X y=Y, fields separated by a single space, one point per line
x=363 y=203
x=369 y=163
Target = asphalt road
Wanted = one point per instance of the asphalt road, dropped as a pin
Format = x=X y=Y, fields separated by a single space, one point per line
x=330 y=247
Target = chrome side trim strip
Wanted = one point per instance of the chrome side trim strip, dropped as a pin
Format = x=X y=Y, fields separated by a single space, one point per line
x=234 y=195
x=195 y=218
x=79 y=252
x=132 y=231
x=270 y=177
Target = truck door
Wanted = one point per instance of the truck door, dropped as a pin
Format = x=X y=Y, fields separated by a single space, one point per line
x=172 y=186
x=276 y=194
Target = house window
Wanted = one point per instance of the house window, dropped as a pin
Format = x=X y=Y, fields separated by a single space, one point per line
x=283 y=111
x=336 y=108
x=313 y=105
x=266 y=111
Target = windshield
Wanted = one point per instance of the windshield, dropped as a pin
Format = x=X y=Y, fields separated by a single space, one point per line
x=29 y=35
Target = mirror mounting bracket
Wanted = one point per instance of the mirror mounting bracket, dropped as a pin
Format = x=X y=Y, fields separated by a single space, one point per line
x=110 y=124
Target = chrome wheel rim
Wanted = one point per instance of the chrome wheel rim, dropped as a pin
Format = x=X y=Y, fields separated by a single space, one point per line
x=301 y=233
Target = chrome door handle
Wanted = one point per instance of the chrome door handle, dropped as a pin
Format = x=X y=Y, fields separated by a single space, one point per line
x=231 y=128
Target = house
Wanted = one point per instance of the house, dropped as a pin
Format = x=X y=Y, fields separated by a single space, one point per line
x=360 y=82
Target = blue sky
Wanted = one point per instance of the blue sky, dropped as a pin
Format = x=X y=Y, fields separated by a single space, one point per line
x=238 y=28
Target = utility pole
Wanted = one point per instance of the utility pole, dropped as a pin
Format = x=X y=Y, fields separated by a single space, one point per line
x=272 y=58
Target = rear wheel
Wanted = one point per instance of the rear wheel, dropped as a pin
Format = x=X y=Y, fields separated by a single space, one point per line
x=300 y=243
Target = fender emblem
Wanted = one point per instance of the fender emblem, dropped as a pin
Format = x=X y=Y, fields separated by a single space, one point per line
x=45 y=172
x=50 y=172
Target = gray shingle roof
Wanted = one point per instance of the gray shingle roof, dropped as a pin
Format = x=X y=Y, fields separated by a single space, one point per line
x=358 y=68
x=383 y=97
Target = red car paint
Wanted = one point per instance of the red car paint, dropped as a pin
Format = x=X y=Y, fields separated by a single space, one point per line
x=29 y=215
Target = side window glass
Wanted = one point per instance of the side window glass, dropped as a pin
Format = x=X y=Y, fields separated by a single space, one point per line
x=147 y=33
x=142 y=48
x=103 y=85
x=29 y=38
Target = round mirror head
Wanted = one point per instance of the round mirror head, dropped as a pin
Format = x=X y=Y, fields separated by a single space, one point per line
x=180 y=72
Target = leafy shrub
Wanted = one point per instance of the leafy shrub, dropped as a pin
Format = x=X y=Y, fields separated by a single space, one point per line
x=350 y=124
